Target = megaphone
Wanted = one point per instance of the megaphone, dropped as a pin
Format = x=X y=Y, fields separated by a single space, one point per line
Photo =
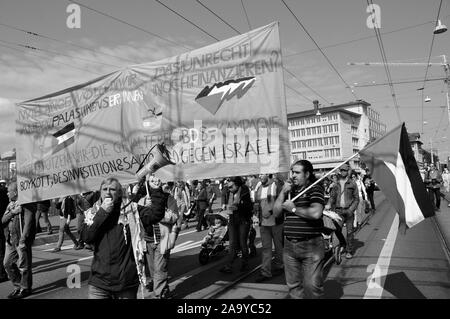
x=161 y=158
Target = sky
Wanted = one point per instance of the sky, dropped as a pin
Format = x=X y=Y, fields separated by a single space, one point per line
x=70 y=56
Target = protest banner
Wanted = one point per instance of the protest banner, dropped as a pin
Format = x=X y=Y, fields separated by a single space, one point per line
x=220 y=110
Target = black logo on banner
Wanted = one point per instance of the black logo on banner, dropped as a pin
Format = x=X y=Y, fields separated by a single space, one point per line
x=212 y=98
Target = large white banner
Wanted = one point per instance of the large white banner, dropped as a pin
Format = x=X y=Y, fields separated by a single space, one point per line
x=220 y=110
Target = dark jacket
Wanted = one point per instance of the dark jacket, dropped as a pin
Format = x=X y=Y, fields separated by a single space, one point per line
x=69 y=208
x=43 y=205
x=4 y=200
x=351 y=196
x=434 y=178
x=113 y=267
x=202 y=199
x=244 y=210
x=27 y=219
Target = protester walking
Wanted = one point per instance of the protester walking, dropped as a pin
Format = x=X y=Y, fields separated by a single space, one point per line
x=4 y=201
x=160 y=238
x=344 y=200
x=369 y=183
x=21 y=231
x=304 y=249
x=67 y=213
x=435 y=179
x=202 y=205
x=361 y=208
x=113 y=226
x=182 y=198
x=240 y=208
x=43 y=208
x=446 y=180
x=271 y=228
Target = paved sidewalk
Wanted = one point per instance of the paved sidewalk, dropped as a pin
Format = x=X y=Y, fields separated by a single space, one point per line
x=442 y=220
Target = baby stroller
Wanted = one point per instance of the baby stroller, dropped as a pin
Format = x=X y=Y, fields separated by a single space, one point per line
x=333 y=246
x=213 y=248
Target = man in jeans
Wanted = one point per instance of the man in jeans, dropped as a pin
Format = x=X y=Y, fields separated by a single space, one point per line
x=344 y=200
x=434 y=178
x=304 y=248
x=271 y=229
x=21 y=230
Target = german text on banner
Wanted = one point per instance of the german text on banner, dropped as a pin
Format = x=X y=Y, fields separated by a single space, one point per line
x=394 y=168
x=220 y=110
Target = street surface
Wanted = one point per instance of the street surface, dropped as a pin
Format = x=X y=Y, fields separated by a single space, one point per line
x=406 y=266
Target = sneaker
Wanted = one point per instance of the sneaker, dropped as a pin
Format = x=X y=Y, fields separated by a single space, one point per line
x=226 y=269
x=166 y=294
x=78 y=247
x=13 y=293
x=348 y=256
x=262 y=278
x=23 y=293
x=56 y=249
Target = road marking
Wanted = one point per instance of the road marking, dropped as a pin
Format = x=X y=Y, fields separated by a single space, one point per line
x=375 y=291
x=62 y=248
x=178 y=249
x=184 y=243
x=188 y=232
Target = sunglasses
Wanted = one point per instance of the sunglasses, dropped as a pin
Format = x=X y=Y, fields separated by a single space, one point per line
x=343 y=170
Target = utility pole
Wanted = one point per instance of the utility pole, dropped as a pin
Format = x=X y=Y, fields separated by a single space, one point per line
x=432 y=157
x=447 y=80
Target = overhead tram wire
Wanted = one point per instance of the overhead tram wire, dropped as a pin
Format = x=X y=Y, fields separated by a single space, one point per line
x=57 y=53
x=246 y=15
x=386 y=67
x=429 y=57
x=182 y=17
x=131 y=25
x=319 y=48
x=360 y=39
x=53 y=61
x=398 y=82
x=300 y=94
x=64 y=42
x=284 y=68
x=217 y=16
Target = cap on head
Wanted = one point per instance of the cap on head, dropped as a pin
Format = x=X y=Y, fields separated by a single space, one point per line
x=345 y=167
x=2 y=181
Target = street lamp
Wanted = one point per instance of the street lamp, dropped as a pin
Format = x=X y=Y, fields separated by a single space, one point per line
x=440 y=28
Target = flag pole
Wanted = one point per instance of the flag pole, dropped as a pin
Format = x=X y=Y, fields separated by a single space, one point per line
x=334 y=169
x=320 y=179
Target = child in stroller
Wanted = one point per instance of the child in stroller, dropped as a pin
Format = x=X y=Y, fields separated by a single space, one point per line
x=214 y=241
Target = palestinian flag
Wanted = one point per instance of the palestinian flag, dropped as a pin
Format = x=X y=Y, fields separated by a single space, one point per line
x=394 y=168
x=64 y=137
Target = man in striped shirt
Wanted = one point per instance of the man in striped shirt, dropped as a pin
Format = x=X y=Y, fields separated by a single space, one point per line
x=304 y=249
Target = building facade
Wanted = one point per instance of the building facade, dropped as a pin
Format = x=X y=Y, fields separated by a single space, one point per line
x=416 y=145
x=339 y=132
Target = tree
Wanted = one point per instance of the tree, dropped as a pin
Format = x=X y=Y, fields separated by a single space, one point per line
x=427 y=156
